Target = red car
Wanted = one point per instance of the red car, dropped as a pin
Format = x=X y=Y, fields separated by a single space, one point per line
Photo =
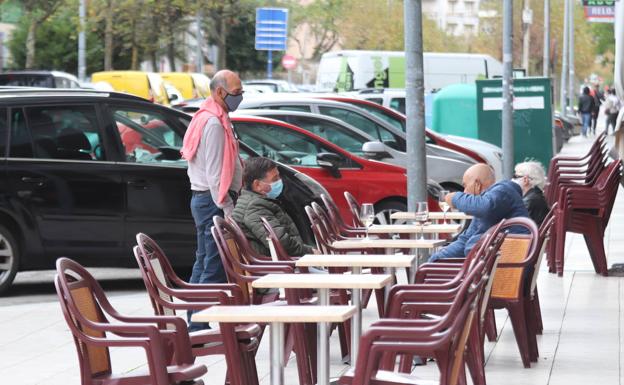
x=337 y=170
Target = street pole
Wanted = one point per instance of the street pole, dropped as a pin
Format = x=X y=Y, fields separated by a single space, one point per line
x=200 y=43
x=526 y=38
x=507 y=134
x=546 y=61
x=269 y=64
x=82 y=43
x=571 y=76
x=563 y=84
x=415 y=105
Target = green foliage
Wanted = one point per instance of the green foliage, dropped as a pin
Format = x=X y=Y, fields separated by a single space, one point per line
x=604 y=37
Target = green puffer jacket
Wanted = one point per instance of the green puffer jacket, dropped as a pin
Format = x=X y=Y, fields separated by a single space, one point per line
x=250 y=207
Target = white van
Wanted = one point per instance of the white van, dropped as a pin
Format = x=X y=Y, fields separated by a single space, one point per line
x=342 y=71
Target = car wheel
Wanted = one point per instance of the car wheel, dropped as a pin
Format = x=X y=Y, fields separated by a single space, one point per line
x=9 y=258
x=383 y=211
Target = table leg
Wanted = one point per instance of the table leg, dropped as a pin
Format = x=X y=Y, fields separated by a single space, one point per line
x=277 y=353
x=322 y=342
x=356 y=321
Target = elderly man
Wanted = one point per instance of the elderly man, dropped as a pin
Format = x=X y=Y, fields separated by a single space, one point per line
x=262 y=186
x=214 y=169
x=531 y=177
x=488 y=202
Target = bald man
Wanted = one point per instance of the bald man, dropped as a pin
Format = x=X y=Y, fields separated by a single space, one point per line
x=215 y=171
x=488 y=202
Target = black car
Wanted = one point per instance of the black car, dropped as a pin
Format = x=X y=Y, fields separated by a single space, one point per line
x=84 y=171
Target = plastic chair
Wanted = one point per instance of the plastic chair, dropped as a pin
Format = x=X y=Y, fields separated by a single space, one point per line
x=88 y=313
x=354 y=208
x=334 y=215
x=169 y=293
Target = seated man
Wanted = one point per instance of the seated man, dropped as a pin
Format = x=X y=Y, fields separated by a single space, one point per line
x=531 y=178
x=487 y=202
x=261 y=186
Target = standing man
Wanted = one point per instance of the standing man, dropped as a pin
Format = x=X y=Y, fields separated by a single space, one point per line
x=598 y=99
x=585 y=108
x=215 y=171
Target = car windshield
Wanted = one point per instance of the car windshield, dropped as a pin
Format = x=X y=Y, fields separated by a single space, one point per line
x=27 y=80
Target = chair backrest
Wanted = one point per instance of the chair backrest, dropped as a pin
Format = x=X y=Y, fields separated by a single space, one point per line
x=354 y=208
x=542 y=241
x=330 y=226
x=78 y=295
x=334 y=212
x=280 y=251
x=231 y=256
x=155 y=270
x=323 y=242
x=509 y=282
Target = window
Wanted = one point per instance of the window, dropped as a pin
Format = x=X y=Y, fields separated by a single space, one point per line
x=369 y=126
x=4 y=128
x=336 y=134
x=147 y=137
x=289 y=108
x=376 y=100
x=282 y=144
x=57 y=132
x=398 y=104
x=386 y=117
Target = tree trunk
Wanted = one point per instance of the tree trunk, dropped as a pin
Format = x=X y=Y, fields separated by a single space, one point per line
x=30 y=44
x=134 y=61
x=171 y=43
x=108 y=37
x=221 y=44
x=154 y=59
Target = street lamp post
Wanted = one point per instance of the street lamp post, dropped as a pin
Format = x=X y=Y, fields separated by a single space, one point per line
x=82 y=43
x=507 y=134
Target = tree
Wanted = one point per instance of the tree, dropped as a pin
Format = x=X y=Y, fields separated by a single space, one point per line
x=320 y=20
x=36 y=12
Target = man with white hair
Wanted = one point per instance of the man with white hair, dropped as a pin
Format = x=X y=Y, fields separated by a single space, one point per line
x=531 y=177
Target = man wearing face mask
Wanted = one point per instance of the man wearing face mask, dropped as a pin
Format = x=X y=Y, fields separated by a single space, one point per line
x=488 y=202
x=262 y=186
x=215 y=171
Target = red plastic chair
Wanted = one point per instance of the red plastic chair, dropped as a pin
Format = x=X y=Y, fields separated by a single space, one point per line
x=169 y=293
x=586 y=210
x=444 y=338
x=88 y=314
x=334 y=215
x=354 y=208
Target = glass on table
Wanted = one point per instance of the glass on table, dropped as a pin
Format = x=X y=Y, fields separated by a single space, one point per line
x=421 y=215
x=445 y=207
x=367 y=215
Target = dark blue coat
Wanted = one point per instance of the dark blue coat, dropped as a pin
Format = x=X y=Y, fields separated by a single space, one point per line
x=503 y=200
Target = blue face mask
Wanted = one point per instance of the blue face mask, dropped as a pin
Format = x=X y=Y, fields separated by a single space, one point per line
x=276 y=189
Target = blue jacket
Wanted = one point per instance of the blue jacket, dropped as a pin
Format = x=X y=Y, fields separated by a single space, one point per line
x=503 y=200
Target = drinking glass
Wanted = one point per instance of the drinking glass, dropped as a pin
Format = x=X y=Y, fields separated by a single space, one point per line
x=421 y=214
x=442 y=203
x=367 y=215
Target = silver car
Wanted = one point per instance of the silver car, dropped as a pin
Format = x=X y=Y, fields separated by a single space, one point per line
x=448 y=172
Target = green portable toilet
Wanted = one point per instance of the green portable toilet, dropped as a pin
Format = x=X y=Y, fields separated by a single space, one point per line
x=455 y=111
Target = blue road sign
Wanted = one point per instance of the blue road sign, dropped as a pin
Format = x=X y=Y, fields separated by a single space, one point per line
x=271 y=29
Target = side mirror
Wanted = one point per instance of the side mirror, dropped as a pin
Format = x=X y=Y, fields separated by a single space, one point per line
x=375 y=150
x=330 y=162
x=173 y=97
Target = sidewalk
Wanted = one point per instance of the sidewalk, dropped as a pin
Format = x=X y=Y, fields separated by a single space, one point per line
x=582 y=343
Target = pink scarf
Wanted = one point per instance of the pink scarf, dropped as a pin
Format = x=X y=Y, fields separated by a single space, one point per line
x=208 y=109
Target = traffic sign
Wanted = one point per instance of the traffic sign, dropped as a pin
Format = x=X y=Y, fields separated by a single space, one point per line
x=271 y=29
x=289 y=62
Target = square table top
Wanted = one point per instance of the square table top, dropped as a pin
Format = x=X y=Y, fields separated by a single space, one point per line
x=433 y=228
x=323 y=281
x=285 y=314
x=362 y=243
x=356 y=260
x=437 y=215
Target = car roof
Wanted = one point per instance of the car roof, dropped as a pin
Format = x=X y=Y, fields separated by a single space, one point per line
x=262 y=112
x=34 y=92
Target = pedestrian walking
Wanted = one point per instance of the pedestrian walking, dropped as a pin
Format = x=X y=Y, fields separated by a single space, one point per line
x=598 y=99
x=612 y=107
x=585 y=109
x=215 y=171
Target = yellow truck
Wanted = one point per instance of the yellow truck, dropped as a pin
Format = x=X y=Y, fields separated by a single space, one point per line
x=192 y=85
x=147 y=85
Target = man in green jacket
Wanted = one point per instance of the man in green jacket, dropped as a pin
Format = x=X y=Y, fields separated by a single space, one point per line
x=261 y=187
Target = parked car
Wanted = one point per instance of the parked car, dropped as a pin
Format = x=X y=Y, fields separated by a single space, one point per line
x=393 y=98
x=275 y=84
x=147 y=85
x=190 y=84
x=84 y=171
x=478 y=150
x=45 y=79
x=371 y=181
x=373 y=126
x=445 y=171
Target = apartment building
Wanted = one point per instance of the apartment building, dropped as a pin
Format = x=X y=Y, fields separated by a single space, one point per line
x=458 y=17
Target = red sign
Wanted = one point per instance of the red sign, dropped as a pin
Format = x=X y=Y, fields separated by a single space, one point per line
x=289 y=62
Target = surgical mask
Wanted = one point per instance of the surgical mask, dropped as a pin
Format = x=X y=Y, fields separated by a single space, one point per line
x=276 y=189
x=232 y=101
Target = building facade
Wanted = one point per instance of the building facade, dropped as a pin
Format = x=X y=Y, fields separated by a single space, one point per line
x=457 y=17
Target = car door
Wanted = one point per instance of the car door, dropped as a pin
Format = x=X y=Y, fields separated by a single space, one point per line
x=157 y=187
x=298 y=150
x=63 y=181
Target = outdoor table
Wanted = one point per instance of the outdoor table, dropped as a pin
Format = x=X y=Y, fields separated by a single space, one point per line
x=323 y=283
x=356 y=262
x=434 y=215
x=441 y=228
x=276 y=317
x=363 y=243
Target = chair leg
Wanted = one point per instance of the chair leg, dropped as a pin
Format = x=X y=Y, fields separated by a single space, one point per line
x=475 y=356
x=380 y=298
x=560 y=248
x=595 y=244
x=537 y=310
x=489 y=325
x=519 y=324
x=531 y=319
